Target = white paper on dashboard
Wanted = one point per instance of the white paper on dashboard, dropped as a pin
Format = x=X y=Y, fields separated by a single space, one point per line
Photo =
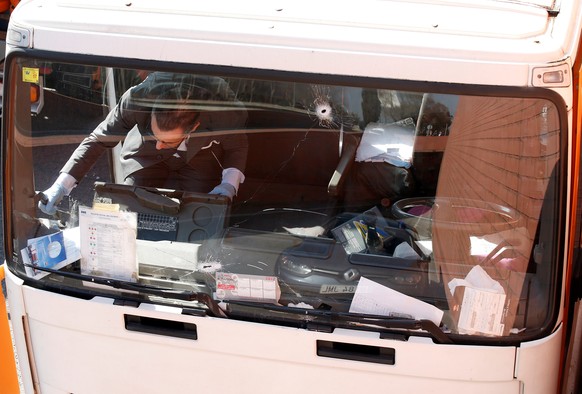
x=483 y=303
x=374 y=298
x=108 y=243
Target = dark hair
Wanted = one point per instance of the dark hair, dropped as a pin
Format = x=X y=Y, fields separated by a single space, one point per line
x=174 y=108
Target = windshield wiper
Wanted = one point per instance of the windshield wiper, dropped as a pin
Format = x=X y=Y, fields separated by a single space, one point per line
x=394 y=323
x=318 y=317
x=184 y=295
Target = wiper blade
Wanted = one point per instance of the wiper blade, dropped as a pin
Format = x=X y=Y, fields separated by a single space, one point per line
x=397 y=323
x=185 y=295
x=352 y=320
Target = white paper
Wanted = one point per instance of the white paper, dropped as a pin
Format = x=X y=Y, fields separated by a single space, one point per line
x=404 y=251
x=391 y=143
x=72 y=243
x=108 y=243
x=373 y=298
x=314 y=231
x=231 y=286
x=477 y=279
x=483 y=303
x=425 y=246
x=481 y=313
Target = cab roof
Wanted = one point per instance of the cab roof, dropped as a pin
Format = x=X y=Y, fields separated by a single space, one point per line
x=374 y=38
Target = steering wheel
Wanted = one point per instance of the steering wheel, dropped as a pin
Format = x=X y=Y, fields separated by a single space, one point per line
x=475 y=216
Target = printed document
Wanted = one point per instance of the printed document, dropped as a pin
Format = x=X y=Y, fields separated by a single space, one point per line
x=108 y=243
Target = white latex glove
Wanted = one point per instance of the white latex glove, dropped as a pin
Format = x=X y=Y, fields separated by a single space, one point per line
x=54 y=194
x=231 y=178
x=224 y=189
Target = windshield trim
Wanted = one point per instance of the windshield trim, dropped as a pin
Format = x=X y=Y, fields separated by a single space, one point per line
x=419 y=86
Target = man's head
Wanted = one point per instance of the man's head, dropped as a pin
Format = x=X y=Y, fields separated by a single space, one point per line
x=173 y=118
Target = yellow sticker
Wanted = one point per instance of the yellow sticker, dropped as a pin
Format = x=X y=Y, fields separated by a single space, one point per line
x=30 y=74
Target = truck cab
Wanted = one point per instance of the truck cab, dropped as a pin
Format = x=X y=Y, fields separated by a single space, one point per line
x=404 y=213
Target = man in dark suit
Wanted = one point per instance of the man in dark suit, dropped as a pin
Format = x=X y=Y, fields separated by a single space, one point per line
x=166 y=140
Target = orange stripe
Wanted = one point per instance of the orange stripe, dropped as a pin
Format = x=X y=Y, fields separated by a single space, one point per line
x=573 y=241
x=8 y=375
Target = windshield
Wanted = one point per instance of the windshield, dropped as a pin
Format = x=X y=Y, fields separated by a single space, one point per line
x=286 y=201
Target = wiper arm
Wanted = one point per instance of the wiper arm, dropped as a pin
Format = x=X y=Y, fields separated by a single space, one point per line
x=349 y=320
x=394 y=322
x=185 y=295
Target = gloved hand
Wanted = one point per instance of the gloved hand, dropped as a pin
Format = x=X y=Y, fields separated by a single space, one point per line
x=224 y=189
x=54 y=194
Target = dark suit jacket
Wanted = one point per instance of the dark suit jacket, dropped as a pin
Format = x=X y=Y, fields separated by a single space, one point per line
x=220 y=132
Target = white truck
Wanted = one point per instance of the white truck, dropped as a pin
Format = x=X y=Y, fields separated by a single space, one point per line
x=381 y=195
